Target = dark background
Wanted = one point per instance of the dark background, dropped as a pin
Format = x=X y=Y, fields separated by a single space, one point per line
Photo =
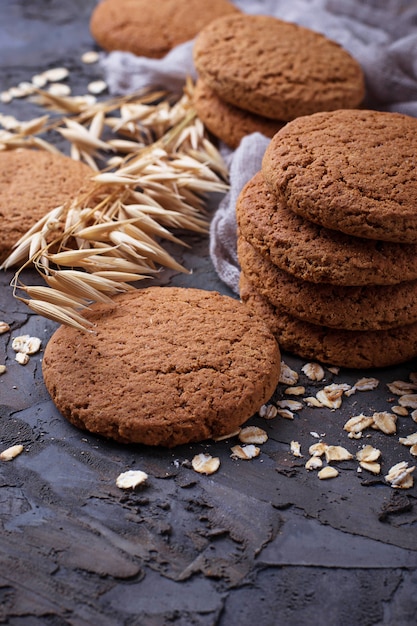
x=261 y=541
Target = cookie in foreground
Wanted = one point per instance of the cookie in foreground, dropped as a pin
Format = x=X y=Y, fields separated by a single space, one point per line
x=163 y=366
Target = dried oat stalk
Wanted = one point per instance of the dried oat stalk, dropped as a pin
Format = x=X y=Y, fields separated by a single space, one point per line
x=155 y=181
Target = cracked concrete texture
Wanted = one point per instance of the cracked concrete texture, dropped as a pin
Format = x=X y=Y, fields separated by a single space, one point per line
x=262 y=541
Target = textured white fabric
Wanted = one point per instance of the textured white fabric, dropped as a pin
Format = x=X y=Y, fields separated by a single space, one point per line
x=380 y=34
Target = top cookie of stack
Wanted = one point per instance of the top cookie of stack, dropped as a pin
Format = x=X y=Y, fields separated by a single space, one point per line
x=328 y=238
x=257 y=72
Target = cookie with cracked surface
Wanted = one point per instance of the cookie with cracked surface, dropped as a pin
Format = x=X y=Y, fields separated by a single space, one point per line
x=276 y=69
x=163 y=366
x=344 y=348
x=317 y=254
x=353 y=171
x=227 y=122
x=371 y=307
x=152 y=29
x=32 y=183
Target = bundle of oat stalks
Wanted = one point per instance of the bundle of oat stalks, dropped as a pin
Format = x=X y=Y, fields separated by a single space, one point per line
x=155 y=167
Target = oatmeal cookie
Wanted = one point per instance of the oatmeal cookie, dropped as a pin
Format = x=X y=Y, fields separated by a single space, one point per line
x=163 y=366
x=352 y=171
x=276 y=69
x=32 y=183
x=344 y=348
x=370 y=307
x=314 y=253
x=227 y=122
x=152 y=29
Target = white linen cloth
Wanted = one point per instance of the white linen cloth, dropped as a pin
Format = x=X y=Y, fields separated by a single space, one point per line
x=380 y=34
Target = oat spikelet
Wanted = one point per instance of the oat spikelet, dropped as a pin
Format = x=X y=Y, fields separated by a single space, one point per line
x=151 y=177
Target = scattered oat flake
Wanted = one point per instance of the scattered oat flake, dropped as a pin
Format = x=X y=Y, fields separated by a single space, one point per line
x=4 y=327
x=313 y=402
x=295 y=391
x=413 y=449
x=314 y=463
x=358 y=423
x=399 y=476
x=400 y=410
x=286 y=414
x=317 y=449
x=366 y=384
x=3 y=369
x=56 y=74
x=10 y=453
x=414 y=416
x=39 y=80
x=314 y=434
x=205 y=463
x=6 y=97
x=253 y=434
x=268 y=411
x=295 y=448
x=293 y=405
x=313 y=371
x=411 y=440
x=368 y=453
x=26 y=344
x=97 y=86
x=245 y=452
x=22 y=358
x=287 y=375
x=371 y=466
x=408 y=400
x=331 y=395
x=384 y=421
x=337 y=453
x=91 y=56
x=334 y=370
x=327 y=472
x=59 y=89
x=131 y=479
x=401 y=387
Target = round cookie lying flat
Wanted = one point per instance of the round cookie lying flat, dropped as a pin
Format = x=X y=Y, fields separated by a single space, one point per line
x=152 y=29
x=276 y=69
x=227 y=122
x=163 y=366
x=372 y=307
x=344 y=348
x=354 y=171
x=32 y=183
x=317 y=254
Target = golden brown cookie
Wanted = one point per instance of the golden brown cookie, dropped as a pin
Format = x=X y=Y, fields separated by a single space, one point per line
x=372 y=307
x=344 y=348
x=317 y=254
x=276 y=69
x=227 y=122
x=152 y=29
x=352 y=171
x=163 y=366
x=32 y=183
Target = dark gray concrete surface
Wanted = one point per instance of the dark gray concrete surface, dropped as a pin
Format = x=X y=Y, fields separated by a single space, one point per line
x=261 y=542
